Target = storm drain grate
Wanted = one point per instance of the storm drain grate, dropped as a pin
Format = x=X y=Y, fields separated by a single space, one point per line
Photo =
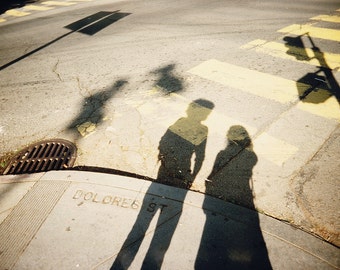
x=56 y=154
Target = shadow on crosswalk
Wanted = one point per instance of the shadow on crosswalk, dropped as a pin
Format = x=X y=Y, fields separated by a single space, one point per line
x=322 y=83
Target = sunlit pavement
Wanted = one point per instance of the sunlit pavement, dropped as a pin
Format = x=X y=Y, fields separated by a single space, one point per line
x=239 y=101
x=84 y=220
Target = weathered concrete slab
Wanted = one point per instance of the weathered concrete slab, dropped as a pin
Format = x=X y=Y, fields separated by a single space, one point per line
x=321 y=173
x=83 y=220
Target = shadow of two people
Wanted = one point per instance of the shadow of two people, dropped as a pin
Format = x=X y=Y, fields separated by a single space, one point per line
x=184 y=143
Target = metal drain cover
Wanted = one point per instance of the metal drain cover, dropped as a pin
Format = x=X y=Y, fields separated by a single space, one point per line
x=56 y=154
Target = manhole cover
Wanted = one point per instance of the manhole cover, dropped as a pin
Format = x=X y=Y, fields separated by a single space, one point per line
x=43 y=156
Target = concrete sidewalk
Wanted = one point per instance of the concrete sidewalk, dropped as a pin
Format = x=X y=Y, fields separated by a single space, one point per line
x=86 y=220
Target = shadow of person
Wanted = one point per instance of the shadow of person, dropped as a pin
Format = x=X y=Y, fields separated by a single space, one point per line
x=235 y=242
x=184 y=139
x=92 y=111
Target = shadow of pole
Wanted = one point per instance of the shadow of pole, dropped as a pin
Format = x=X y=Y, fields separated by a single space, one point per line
x=322 y=82
x=89 y=25
x=92 y=111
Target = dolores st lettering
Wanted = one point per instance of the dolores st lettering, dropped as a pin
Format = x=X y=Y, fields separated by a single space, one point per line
x=107 y=199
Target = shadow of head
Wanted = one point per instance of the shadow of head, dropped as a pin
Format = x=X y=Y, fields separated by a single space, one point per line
x=199 y=109
x=239 y=135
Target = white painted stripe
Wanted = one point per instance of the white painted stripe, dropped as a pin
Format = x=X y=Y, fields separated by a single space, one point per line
x=280 y=50
x=327 y=18
x=317 y=32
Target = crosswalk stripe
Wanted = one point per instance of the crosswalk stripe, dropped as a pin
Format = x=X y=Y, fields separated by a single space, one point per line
x=327 y=18
x=317 y=32
x=16 y=13
x=39 y=8
x=267 y=86
x=266 y=146
x=330 y=108
x=274 y=149
x=215 y=118
x=55 y=3
x=254 y=82
x=280 y=50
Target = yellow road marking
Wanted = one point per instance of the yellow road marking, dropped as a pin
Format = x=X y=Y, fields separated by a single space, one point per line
x=179 y=107
x=330 y=108
x=280 y=50
x=55 y=3
x=273 y=149
x=39 y=8
x=317 y=32
x=16 y=13
x=215 y=119
x=327 y=18
x=2 y=20
x=266 y=146
x=268 y=86
x=254 y=82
